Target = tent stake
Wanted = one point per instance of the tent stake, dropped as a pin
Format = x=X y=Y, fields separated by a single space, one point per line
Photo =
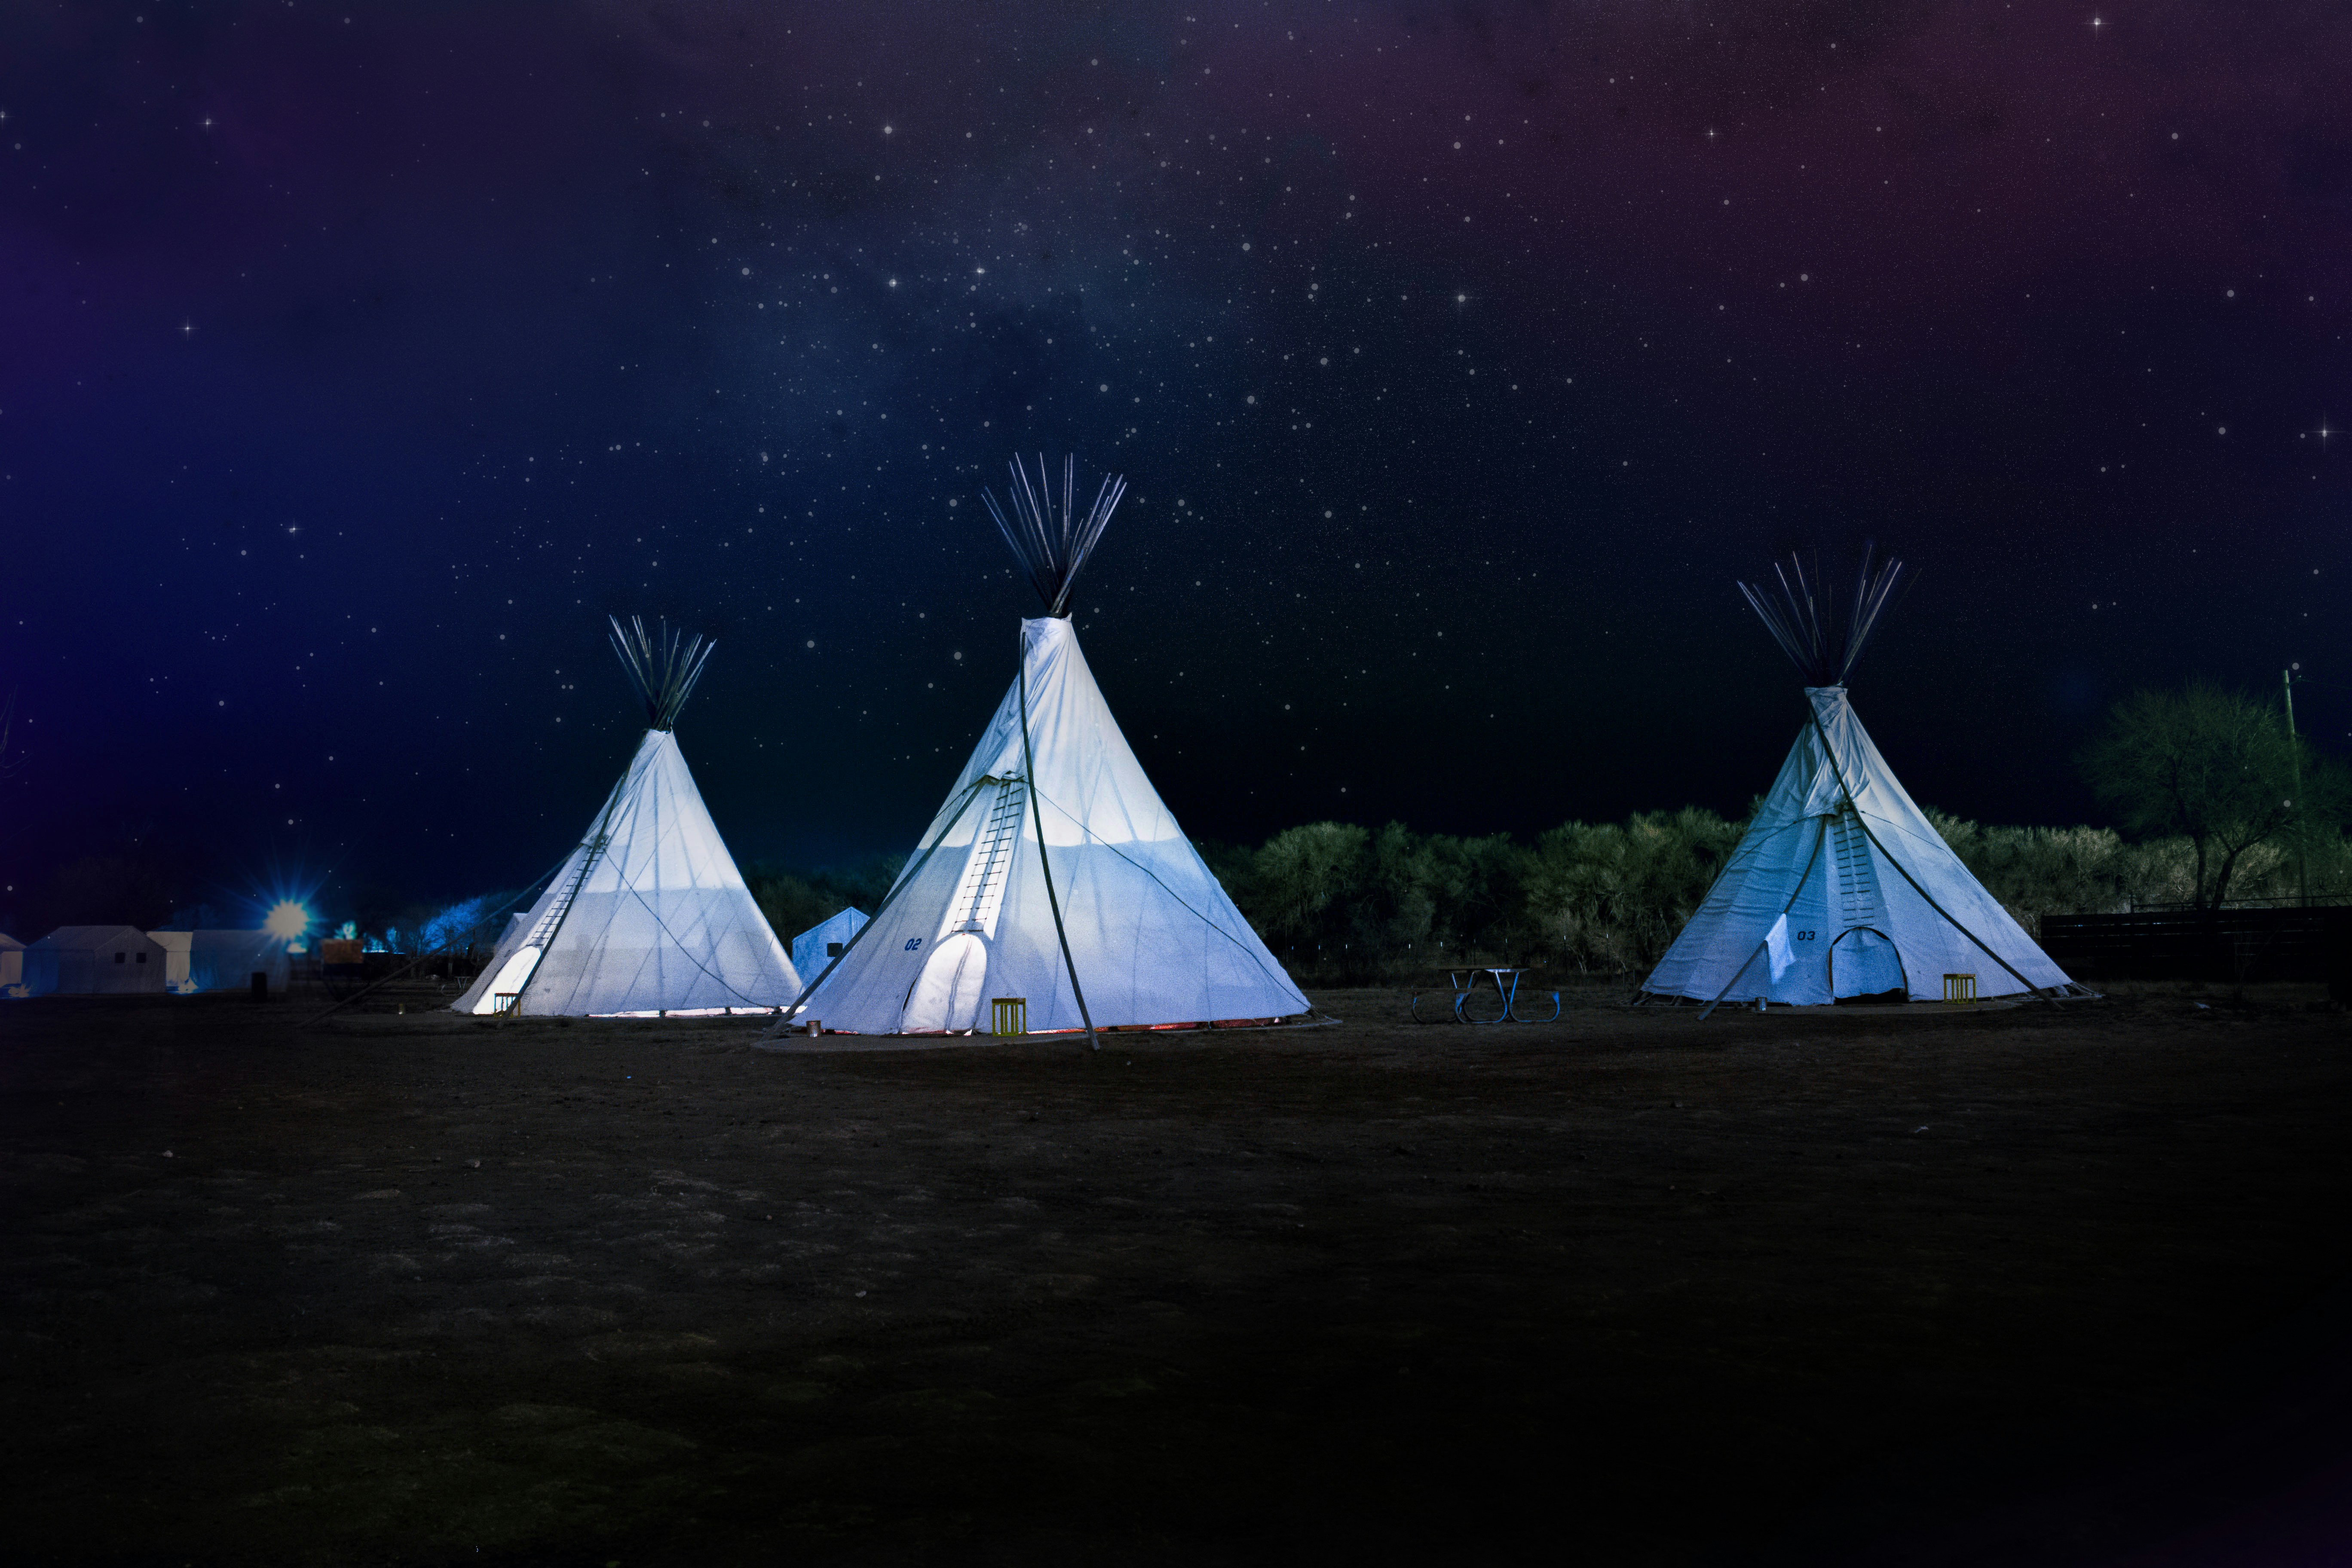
x=1037 y=815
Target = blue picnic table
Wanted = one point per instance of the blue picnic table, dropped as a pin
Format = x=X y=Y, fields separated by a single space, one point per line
x=1504 y=982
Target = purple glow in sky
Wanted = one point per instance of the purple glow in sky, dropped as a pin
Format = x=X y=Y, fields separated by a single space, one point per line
x=363 y=357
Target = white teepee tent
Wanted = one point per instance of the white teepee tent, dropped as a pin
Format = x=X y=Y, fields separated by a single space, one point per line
x=1053 y=873
x=1841 y=889
x=648 y=914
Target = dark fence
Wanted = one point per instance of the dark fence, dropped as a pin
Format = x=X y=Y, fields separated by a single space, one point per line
x=2230 y=946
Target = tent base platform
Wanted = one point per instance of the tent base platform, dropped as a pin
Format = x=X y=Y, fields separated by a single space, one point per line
x=1874 y=1012
x=846 y=1040
x=687 y=1013
x=1917 y=1007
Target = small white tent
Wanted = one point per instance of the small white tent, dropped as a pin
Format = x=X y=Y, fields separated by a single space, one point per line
x=100 y=960
x=199 y=961
x=12 y=966
x=1053 y=873
x=175 y=945
x=648 y=914
x=826 y=940
x=1841 y=888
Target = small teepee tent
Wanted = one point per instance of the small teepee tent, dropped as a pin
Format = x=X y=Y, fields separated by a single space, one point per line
x=648 y=914
x=1840 y=890
x=1053 y=873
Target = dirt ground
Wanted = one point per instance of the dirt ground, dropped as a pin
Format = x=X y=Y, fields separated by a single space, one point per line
x=2029 y=1286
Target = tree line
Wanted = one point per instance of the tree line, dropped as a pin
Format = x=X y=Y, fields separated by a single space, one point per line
x=2213 y=797
x=1342 y=904
x=2216 y=799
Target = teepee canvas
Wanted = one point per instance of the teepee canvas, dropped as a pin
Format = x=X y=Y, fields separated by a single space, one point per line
x=648 y=914
x=1053 y=873
x=1841 y=889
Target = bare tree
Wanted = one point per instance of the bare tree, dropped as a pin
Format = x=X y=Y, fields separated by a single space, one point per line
x=2214 y=767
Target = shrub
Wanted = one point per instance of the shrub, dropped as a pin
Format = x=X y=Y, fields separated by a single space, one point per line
x=795 y=901
x=1613 y=897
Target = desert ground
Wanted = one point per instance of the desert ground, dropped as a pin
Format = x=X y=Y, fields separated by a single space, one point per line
x=2024 y=1286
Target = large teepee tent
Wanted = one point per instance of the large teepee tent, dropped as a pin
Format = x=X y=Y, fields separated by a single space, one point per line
x=648 y=914
x=1053 y=873
x=1840 y=890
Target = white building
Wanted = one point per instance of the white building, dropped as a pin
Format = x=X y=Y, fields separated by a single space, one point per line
x=195 y=960
x=822 y=943
x=94 y=961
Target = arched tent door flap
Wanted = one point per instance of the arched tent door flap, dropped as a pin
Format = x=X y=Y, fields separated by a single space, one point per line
x=949 y=991
x=1865 y=967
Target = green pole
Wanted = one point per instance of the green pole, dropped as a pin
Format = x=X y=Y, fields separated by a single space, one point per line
x=1037 y=813
x=2294 y=757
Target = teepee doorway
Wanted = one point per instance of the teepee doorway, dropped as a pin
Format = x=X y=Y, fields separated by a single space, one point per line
x=951 y=986
x=1866 y=966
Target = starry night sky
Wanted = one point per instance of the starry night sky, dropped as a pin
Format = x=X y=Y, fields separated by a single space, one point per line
x=357 y=359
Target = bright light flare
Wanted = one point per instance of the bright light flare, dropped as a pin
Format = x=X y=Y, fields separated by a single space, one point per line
x=287 y=920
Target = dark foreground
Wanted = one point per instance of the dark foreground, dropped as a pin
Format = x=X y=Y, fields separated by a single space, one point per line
x=2031 y=1287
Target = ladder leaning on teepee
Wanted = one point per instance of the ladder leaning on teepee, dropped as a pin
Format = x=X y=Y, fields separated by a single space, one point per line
x=552 y=920
x=981 y=895
x=542 y=930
